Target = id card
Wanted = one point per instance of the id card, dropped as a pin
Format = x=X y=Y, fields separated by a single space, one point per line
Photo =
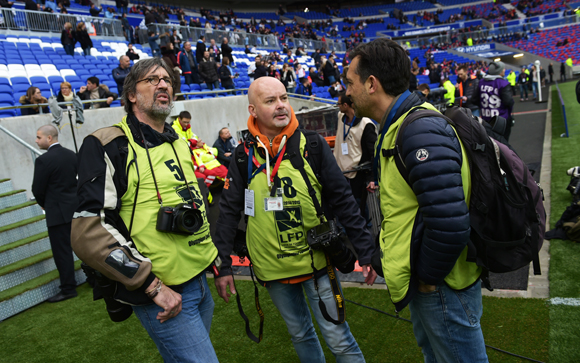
x=273 y=204
x=249 y=203
x=344 y=146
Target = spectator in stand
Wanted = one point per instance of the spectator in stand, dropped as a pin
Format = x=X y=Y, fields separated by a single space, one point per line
x=94 y=91
x=121 y=72
x=33 y=96
x=247 y=49
x=288 y=78
x=300 y=70
x=108 y=22
x=261 y=70
x=209 y=72
x=127 y=28
x=225 y=145
x=31 y=5
x=272 y=72
x=227 y=51
x=335 y=89
x=67 y=39
x=315 y=78
x=304 y=88
x=131 y=52
x=200 y=48
x=95 y=10
x=175 y=39
x=122 y=5
x=216 y=51
x=523 y=83
x=226 y=75
x=65 y=94
x=155 y=50
x=329 y=70
x=188 y=64
x=83 y=37
x=171 y=60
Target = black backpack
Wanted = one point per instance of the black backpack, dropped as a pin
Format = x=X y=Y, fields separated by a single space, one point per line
x=506 y=206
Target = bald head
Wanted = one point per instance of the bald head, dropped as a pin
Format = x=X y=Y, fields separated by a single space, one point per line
x=264 y=85
x=269 y=105
x=124 y=62
x=49 y=130
x=45 y=136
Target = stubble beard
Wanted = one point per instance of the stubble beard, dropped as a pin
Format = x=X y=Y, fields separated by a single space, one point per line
x=154 y=110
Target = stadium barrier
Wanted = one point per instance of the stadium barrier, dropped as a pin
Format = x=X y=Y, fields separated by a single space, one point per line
x=310 y=45
x=563 y=112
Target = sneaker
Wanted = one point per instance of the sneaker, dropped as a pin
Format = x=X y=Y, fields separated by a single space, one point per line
x=521 y=100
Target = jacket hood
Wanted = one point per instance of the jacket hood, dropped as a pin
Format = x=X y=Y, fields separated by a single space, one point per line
x=287 y=131
x=491 y=77
x=24 y=101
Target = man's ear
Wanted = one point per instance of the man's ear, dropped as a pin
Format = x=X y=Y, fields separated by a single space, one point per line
x=131 y=97
x=252 y=110
x=372 y=85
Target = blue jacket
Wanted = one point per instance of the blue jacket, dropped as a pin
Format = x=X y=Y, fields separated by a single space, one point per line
x=153 y=44
x=119 y=75
x=301 y=90
x=183 y=62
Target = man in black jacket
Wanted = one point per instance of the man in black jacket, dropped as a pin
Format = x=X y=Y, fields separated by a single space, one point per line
x=209 y=71
x=225 y=145
x=54 y=187
x=465 y=88
x=200 y=48
x=92 y=91
x=227 y=50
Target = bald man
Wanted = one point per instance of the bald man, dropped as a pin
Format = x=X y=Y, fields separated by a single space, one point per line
x=280 y=211
x=121 y=72
x=55 y=188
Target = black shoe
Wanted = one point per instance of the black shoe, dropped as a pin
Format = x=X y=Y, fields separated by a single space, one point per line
x=61 y=297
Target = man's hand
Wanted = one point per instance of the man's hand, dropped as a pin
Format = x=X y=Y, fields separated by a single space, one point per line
x=202 y=169
x=227 y=155
x=109 y=100
x=369 y=274
x=372 y=187
x=200 y=144
x=222 y=283
x=82 y=89
x=169 y=301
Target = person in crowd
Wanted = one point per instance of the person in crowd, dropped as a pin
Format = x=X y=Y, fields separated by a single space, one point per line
x=158 y=272
x=127 y=28
x=304 y=88
x=54 y=187
x=494 y=96
x=542 y=76
x=465 y=88
x=226 y=74
x=94 y=91
x=65 y=94
x=299 y=70
x=108 y=22
x=285 y=265
x=169 y=57
x=225 y=145
x=288 y=78
x=121 y=72
x=562 y=72
x=355 y=145
x=200 y=48
x=315 y=77
x=216 y=51
x=95 y=10
x=512 y=78
x=449 y=96
x=155 y=50
x=272 y=72
x=423 y=91
x=227 y=51
x=261 y=70
x=83 y=37
x=252 y=67
x=33 y=96
x=175 y=39
x=31 y=5
x=188 y=64
x=209 y=71
x=329 y=70
x=413 y=217
x=247 y=49
x=335 y=89
x=131 y=53
x=67 y=39
x=534 y=81
x=523 y=84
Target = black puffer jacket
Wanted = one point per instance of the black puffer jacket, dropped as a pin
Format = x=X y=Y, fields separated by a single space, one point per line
x=208 y=70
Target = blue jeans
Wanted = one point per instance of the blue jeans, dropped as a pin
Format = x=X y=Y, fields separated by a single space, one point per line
x=290 y=301
x=69 y=49
x=184 y=338
x=87 y=51
x=535 y=89
x=523 y=90
x=446 y=324
x=213 y=85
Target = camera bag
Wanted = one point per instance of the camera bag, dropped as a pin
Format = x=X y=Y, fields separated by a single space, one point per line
x=506 y=207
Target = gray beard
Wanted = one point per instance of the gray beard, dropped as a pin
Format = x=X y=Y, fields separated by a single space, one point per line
x=155 y=112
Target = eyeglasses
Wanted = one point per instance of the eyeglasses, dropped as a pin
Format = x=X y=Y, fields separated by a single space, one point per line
x=154 y=80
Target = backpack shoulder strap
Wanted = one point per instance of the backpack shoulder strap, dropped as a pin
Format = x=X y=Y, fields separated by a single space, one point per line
x=414 y=115
x=313 y=150
x=242 y=161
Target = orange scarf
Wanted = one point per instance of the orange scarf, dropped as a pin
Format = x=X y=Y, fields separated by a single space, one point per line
x=288 y=131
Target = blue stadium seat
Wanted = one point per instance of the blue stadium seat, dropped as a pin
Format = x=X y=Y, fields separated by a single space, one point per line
x=72 y=78
x=19 y=80
x=5 y=81
x=6 y=89
x=38 y=79
x=44 y=88
x=7 y=98
x=83 y=73
x=20 y=87
x=55 y=79
x=7 y=113
x=77 y=85
x=195 y=87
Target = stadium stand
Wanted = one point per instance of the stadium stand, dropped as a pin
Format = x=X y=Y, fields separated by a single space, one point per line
x=545 y=43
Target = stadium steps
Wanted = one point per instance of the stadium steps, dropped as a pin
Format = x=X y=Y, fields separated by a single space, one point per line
x=28 y=274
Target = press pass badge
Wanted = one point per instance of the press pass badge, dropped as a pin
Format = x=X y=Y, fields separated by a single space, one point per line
x=344 y=146
x=274 y=204
x=249 y=203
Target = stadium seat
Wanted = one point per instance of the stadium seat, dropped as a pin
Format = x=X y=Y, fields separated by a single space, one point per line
x=72 y=78
x=19 y=80
x=38 y=79
x=67 y=72
x=6 y=89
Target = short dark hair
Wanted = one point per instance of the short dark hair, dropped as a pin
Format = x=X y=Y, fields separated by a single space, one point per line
x=93 y=80
x=138 y=71
x=201 y=37
x=387 y=61
x=424 y=86
x=184 y=114
x=343 y=98
x=462 y=67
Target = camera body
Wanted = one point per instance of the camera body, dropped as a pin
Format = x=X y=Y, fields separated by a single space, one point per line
x=117 y=311
x=182 y=219
x=328 y=238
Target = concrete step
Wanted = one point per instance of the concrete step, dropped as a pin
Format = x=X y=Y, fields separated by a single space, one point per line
x=27 y=269
x=23 y=249
x=5 y=185
x=34 y=292
x=12 y=198
x=19 y=212
x=22 y=230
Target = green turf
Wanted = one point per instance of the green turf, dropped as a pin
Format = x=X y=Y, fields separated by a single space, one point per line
x=31 y=284
x=3 y=180
x=564 y=255
x=79 y=330
x=25 y=262
x=21 y=223
x=22 y=242
x=10 y=209
x=12 y=192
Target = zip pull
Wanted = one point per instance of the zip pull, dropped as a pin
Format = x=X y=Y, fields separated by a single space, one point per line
x=505 y=181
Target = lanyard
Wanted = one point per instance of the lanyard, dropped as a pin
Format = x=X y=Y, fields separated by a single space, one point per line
x=386 y=126
x=345 y=133
x=262 y=168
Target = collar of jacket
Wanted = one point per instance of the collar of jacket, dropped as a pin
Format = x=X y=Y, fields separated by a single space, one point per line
x=152 y=137
x=287 y=131
x=412 y=100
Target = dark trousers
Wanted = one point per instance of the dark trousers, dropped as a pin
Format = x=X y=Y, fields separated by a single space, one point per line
x=59 y=236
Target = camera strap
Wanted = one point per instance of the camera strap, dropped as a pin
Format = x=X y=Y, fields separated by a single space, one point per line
x=336 y=292
x=258 y=308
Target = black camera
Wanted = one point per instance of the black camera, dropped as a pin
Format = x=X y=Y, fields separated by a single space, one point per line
x=106 y=287
x=329 y=238
x=183 y=219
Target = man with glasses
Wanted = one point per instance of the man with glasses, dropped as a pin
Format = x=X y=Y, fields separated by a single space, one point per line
x=155 y=262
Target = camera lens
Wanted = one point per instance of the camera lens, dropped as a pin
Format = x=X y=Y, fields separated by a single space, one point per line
x=188 y=220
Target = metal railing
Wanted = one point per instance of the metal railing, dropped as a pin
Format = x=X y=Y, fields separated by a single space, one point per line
x=236 y=38
x=40 y=21
x=311 y=45
x=33 y=151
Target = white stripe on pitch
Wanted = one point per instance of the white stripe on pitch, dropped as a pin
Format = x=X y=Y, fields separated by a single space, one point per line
x=570 y=301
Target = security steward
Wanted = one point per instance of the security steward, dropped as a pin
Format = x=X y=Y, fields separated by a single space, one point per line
x=354 y=145
x=280 y=213
x=141 y=222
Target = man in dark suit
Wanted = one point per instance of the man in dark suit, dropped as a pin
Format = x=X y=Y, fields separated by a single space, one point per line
x=54 y=187
x=200 y=48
